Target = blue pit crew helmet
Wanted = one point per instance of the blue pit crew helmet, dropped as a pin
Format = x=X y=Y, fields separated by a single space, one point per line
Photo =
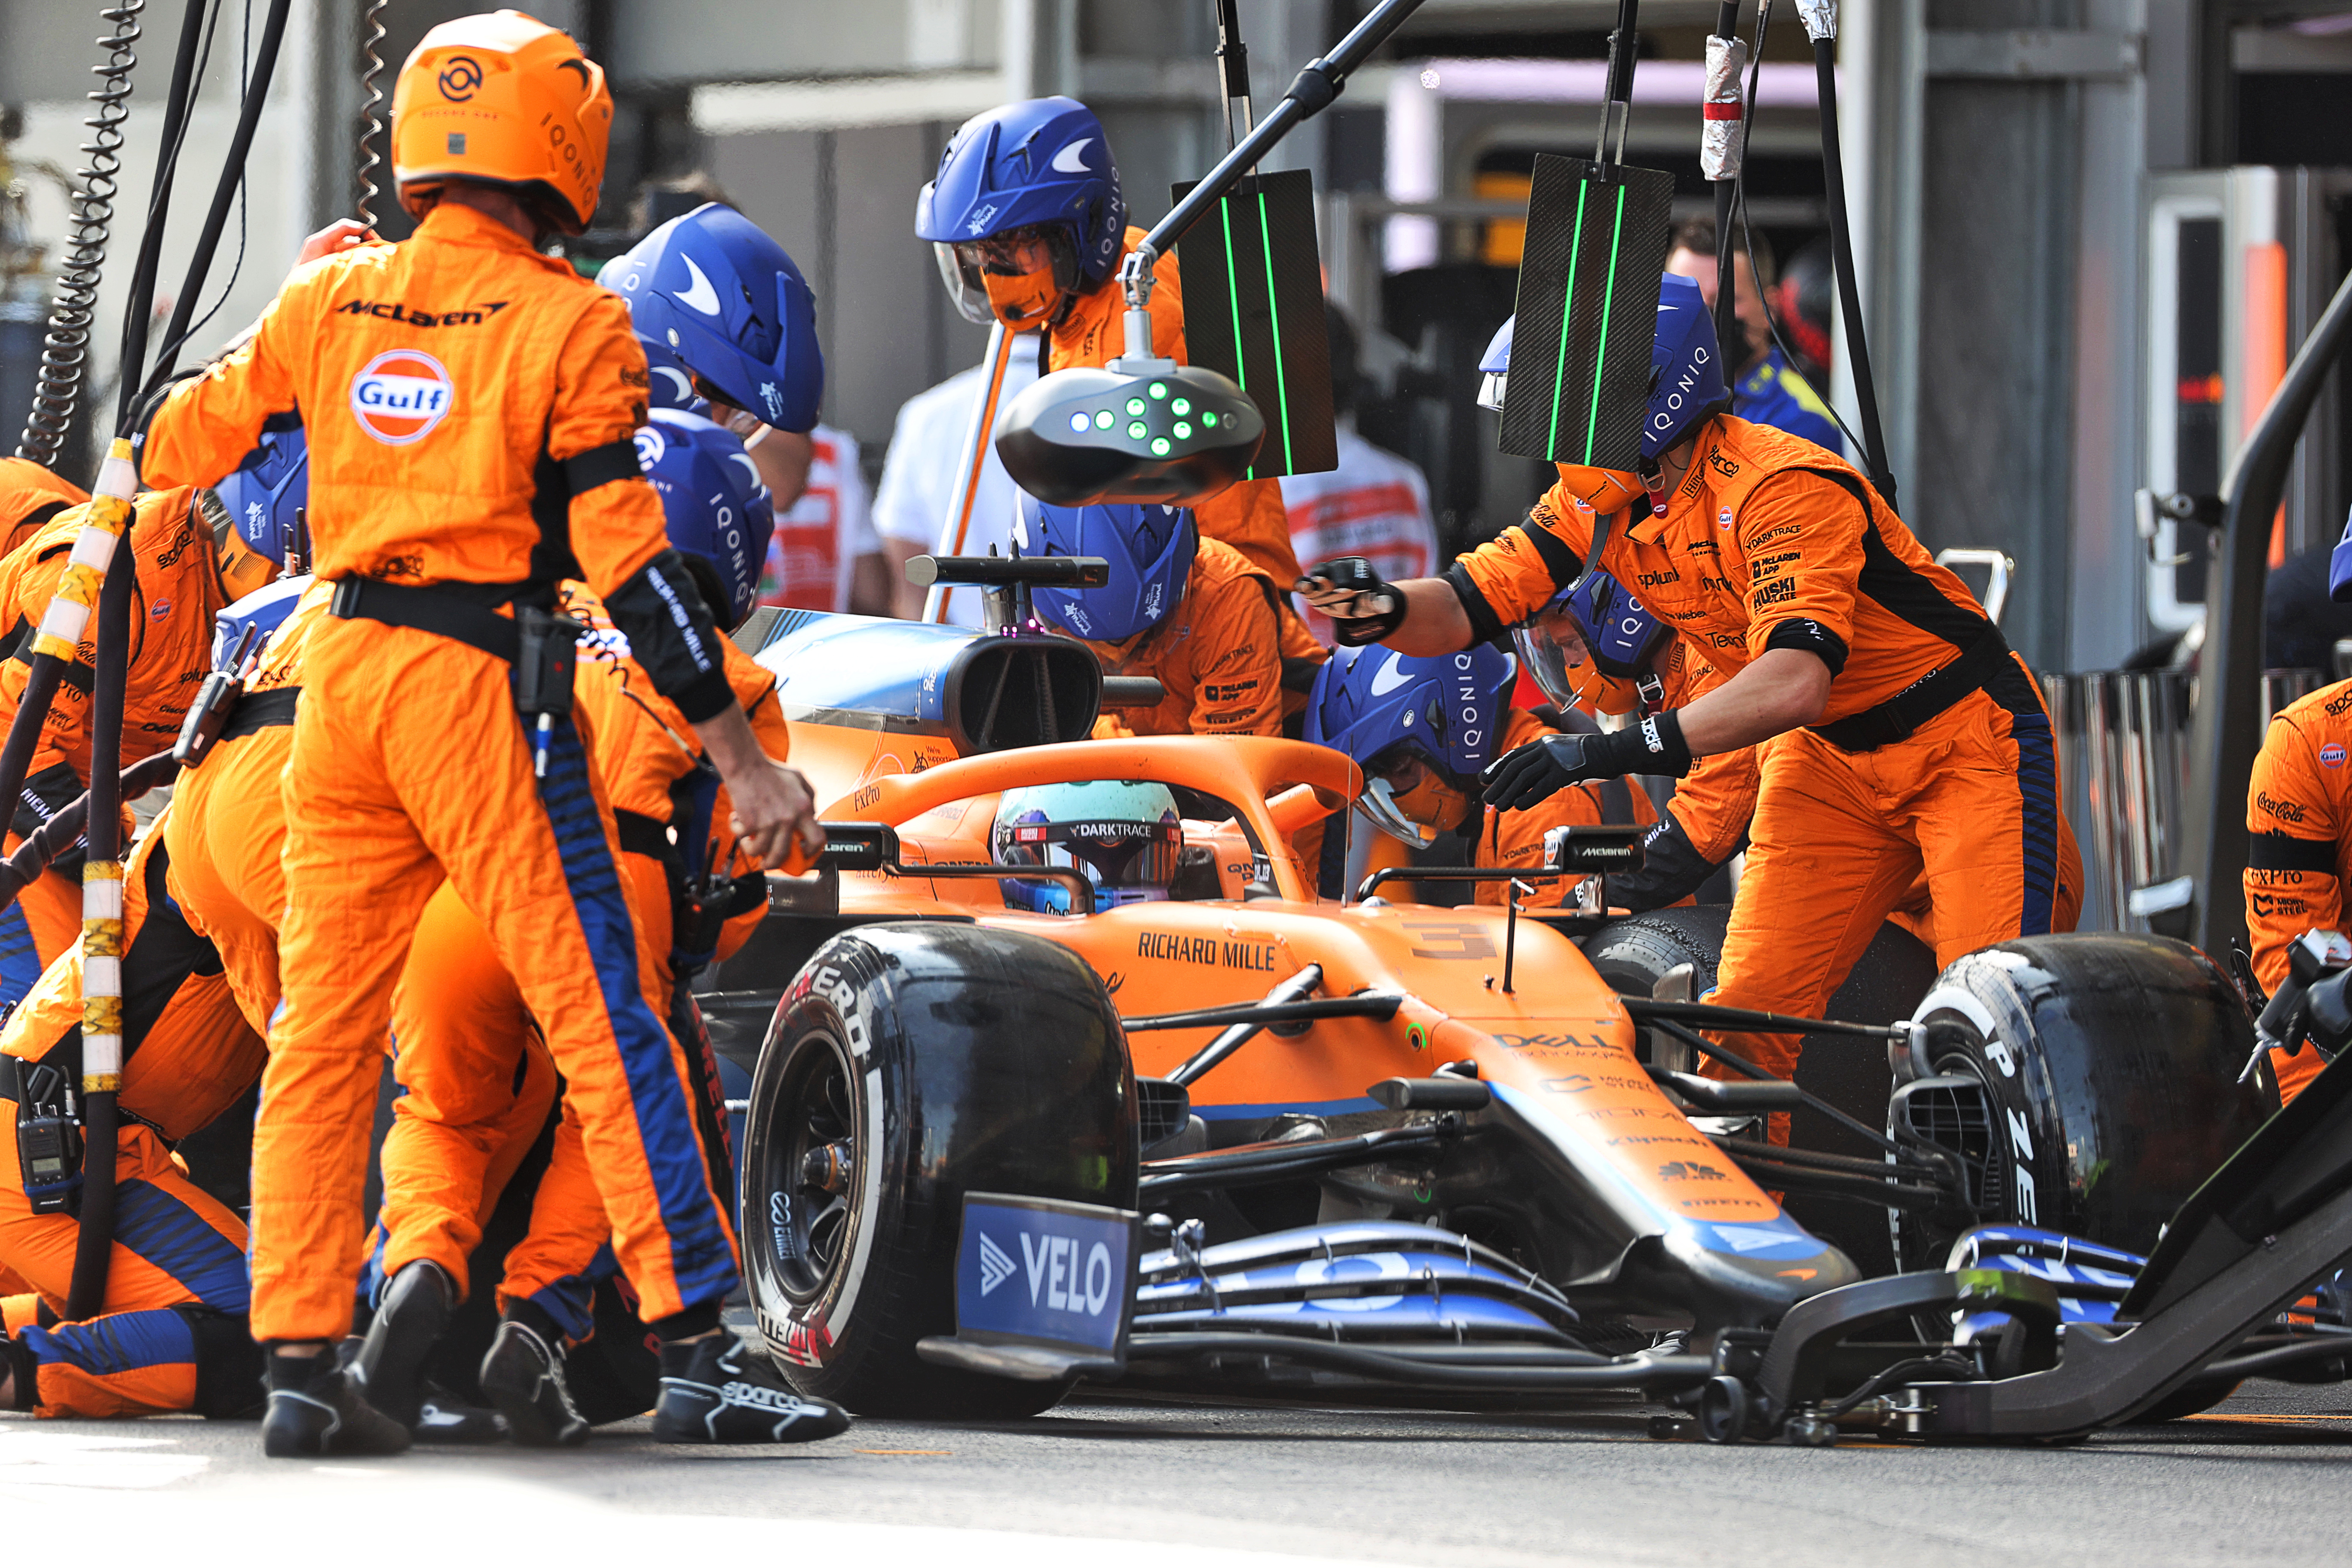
x=2339 y=566
x=1042 y=165
x=1686 y=384
x=1618 y=631
x=264 y=494
x=1380 y=707
x=717 y=510
x=713 y=299
x=1149 y=548
x=1125 y=838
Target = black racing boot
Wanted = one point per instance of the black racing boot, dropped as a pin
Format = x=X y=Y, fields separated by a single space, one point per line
x=719 y=1390
x=391 y=1362
x=318 y=1409
x=444 y=1418
x=523 y=1374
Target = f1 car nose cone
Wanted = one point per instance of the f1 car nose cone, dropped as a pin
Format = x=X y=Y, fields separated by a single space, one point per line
x=1142 y=430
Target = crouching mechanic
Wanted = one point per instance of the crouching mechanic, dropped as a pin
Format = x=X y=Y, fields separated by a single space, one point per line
x=1907 y=738
x=180 y=583
x=1423 y=729
x=468 y=1054
x=1189 y=612
x=463 y=471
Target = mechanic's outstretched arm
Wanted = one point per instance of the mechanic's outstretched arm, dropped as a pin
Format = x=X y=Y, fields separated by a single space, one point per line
x=1422 y=617
x=1782 y=689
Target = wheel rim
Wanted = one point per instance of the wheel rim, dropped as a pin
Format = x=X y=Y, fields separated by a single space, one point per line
x=812 y=1168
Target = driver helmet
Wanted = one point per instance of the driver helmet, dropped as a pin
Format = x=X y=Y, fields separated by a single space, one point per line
x=714 y=300
x=1621 y=634
x=1020 y=184
x=1384 y=710
x=1125 y=838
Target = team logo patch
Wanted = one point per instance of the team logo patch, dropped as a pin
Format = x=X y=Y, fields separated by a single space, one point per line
x=2331 y=755
x=399 y=396
x=650 y=447
x=460 y=78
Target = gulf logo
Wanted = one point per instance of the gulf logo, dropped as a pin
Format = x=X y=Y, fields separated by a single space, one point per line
x=398 y=397
x=2331 y=755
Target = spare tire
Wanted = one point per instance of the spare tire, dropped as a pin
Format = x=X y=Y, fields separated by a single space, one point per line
x=2088 y=1080
x=1892 y=974
x=909 y=1064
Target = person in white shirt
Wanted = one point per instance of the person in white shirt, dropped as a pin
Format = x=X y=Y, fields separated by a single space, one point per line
x=824 y=554
x=1375 y=504
x=919 y=480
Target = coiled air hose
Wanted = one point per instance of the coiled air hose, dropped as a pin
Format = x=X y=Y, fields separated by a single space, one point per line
x=65 y=349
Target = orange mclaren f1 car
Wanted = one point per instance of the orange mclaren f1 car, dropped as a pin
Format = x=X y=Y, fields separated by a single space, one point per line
x=1251 y=1137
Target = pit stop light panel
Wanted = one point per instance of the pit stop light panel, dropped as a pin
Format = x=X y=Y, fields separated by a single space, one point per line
x=1588 y=308
x=1254 y=311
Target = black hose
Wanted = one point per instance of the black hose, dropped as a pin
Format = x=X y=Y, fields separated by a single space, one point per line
x=137 y=308
x=94 y=1240
x=1858 y=350
x=200 y=261
x=65 y=348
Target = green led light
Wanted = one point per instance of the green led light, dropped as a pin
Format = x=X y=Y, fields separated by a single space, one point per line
x=1135 y=431
x=1103 y=420
x=1182 y=405
x=1183 y=431
x=1160 y=446
x=1135 y=405
x=1158 y=389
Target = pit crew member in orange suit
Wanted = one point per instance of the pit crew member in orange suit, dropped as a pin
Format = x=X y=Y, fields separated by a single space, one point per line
x=170 y=1335
x=1423 y=729
x=2299 y=838
x=1029 y=226
x=1187 y=611
x=30 y=496
x=466 y=1039
x=464 y=468
x=1906 y=736
x=181 y=584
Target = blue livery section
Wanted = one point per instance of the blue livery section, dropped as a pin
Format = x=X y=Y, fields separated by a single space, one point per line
x=1042 y=1272
x=263 y=609
x=863 y=670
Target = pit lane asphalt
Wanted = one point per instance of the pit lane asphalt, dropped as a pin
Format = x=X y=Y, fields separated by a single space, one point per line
x=2265 y=1479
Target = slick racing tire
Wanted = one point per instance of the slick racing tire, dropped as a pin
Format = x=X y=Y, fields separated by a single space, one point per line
x=1886 y=982
x=2088 y=1082
x=908 y=1065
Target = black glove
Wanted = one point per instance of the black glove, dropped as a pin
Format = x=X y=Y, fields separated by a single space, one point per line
x=1541 y=768
x=1353 y=574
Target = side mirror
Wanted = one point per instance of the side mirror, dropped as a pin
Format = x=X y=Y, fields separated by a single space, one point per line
x=1610 y=851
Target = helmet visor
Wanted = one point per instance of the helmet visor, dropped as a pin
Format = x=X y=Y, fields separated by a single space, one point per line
x=1490 y=389
x=1543 y=659
x=1124 y=861
x=963 y=282
x=1379 y=803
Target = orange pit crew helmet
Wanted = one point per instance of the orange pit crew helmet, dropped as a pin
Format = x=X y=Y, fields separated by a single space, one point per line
x=502 y=99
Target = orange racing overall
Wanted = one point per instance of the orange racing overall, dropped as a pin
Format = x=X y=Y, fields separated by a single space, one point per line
x=468 y=404
x=1932 y=755
x=2298 y=841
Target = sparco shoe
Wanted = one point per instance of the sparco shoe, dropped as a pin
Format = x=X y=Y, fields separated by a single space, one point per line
x=391 y=1362
x=718 y=1390
x=443 y=1417
x=523 y=1376
x=316 y=1410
